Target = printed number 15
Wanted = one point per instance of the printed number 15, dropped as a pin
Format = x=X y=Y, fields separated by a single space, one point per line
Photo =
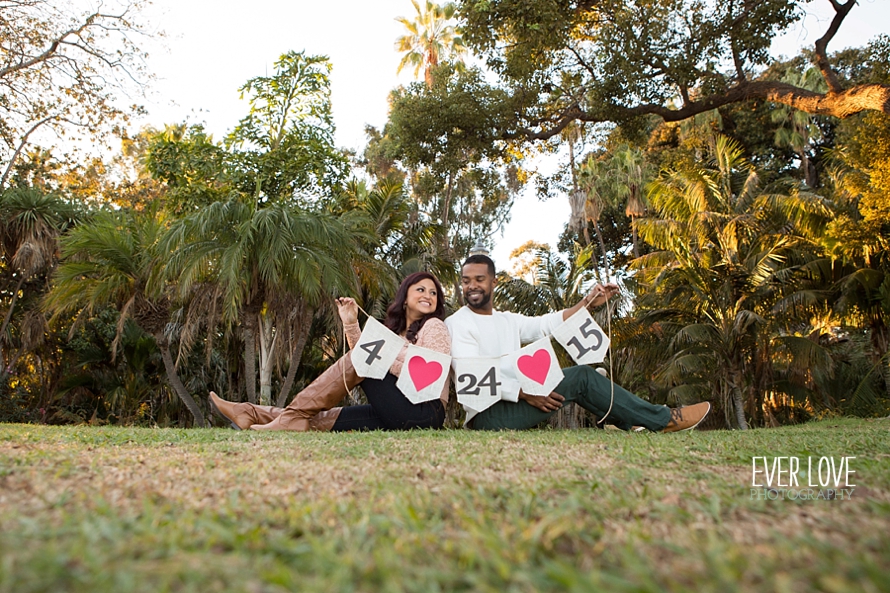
x=598 y=336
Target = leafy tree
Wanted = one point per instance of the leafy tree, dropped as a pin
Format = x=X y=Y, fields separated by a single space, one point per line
x=429 y=39
x=284 y=148
x=31 y=223
x=269 y=265
x=593 y=181
x=860 y=237
x=193 y=170
x=255 y=247
x=115 y=260
x=462 y=177
x=613 y=61
x=60 y=70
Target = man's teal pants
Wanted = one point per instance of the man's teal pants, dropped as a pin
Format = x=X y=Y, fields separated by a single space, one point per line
x=588 y=389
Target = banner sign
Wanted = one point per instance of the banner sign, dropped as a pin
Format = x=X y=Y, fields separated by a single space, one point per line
x=477 y=382
x=537 y=368
x=583 y=338
x=424 y=374
x=376 y=350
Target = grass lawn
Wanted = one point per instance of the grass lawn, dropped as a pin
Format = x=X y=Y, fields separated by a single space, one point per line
x=135 y=509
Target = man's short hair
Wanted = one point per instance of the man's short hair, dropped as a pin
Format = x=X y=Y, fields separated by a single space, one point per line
x=481 y=259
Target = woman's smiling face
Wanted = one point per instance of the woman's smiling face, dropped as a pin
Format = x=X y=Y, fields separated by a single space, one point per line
x=421 y=299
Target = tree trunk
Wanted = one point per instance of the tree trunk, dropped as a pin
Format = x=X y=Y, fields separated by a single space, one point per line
x=447 y=206
x=268 y=342
x=15 y=296
x=738 y=405
x=635 y=238
x=599 y=237
x=176 y=383
x=250 y=359
x=305 y=326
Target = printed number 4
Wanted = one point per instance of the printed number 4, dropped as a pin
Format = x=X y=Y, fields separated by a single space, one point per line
x=372 y=348
x=474 y=384
x=598 y=336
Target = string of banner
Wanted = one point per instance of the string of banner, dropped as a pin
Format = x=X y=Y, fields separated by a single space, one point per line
x=478 y=380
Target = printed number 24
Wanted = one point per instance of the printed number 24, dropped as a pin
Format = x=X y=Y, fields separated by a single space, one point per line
x=473 y=387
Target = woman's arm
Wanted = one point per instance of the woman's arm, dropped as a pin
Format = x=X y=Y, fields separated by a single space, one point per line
x=348 y=310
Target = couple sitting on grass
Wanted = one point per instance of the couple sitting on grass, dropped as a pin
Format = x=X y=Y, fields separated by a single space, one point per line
x=474 y=331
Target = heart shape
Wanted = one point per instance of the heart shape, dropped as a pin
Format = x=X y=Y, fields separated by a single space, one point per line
x=535 y=367
x=423 y=373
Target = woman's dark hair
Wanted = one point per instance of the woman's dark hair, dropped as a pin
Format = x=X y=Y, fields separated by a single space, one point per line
x=395 y=314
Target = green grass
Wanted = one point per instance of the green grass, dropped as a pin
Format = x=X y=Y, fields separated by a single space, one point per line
x=131 y=509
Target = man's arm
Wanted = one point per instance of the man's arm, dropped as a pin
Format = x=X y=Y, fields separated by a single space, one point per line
x=598 y=295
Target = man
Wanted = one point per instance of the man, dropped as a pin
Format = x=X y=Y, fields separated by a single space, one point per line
x=478 y=331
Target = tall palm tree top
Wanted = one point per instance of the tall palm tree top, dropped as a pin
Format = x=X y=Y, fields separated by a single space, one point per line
x=429 y=39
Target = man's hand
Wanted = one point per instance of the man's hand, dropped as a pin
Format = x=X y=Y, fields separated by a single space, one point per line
x=600 y=293
x=545 y=403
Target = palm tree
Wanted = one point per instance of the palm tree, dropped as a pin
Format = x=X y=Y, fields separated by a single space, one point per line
x=798 y=129
x=593 y=180
x=31 y=223
x=629 y=176
x=115 y=260
x=722 y=249
x=270 y=268
x=430 y=39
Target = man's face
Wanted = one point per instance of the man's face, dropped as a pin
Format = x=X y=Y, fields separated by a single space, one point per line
x=478 y=284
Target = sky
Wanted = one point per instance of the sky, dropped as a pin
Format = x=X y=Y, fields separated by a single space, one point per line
x=211 y=48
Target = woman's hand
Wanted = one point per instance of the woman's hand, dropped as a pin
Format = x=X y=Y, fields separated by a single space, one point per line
x=600 y=293
x=348 y=310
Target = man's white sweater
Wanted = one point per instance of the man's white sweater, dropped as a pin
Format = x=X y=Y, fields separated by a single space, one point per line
x=492 y=336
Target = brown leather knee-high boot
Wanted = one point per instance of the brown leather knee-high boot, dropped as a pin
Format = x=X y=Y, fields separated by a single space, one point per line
x=324 y=421
x=243 y=415
x=322 y=394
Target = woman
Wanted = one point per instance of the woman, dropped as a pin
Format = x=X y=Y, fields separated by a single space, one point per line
x=416 y=314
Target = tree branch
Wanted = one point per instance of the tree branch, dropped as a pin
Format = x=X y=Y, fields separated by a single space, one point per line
x=51 y=50
x=841 y=11
x=18 y=150
x=874 y=97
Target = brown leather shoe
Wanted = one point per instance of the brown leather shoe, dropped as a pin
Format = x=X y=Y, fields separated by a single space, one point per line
x=687 y=417
x=322 y=394
x=242 y=415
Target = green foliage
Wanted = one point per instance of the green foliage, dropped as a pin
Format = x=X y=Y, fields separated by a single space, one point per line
x=462 y=176
x=194 y=168
x=607 y=57
x=723 y=250
x=284 y=148
x=455 y=123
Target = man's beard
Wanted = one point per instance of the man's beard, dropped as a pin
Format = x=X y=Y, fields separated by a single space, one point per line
x=486 y=298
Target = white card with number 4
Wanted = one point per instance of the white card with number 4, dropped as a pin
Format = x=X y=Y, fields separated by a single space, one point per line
x=477 y=382
x=376 y=350
x=583 y=338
